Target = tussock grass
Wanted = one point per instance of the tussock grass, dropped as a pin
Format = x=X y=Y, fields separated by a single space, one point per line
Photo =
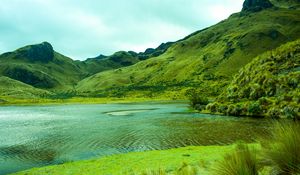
x=185 y=169
x=242 y=161
x=284 y=148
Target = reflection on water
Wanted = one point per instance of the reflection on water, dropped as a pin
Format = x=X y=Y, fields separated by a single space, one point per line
x=43 y=135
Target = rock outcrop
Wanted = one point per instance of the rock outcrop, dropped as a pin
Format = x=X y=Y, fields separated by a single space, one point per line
x=40 y=52
x=256 y=5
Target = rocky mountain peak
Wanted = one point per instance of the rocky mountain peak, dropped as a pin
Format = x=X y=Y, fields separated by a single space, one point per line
x=40 y=52
x=256 y=5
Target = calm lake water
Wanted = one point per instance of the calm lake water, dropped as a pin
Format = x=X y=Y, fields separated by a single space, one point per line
x=32 y=136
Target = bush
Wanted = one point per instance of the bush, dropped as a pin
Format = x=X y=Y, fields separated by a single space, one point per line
x=241 y=162
x=274 y=113
x=213 y=107
x=284 y=148
x=200 y=100
x=254 y=109
x=290 y=112
x=234 y=110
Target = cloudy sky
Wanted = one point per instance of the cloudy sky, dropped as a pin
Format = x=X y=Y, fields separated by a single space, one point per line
x=86 y=28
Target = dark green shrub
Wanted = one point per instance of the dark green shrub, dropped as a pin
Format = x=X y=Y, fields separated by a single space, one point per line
x=290 y=112
x=274 y=113
x=213 y=107
x=234 y=110
x=197 y=99
x=256 y=92
x=254 y=109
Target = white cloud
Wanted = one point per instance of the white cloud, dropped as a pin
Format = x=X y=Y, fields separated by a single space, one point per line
x=87 y=28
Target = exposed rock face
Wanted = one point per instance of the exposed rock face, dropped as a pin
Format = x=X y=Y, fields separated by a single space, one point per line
x=41 y=52
x=256 y=5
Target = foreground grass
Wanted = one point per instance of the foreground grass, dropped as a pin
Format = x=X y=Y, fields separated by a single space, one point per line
x=284 y=150
x=242 y=161
x=202 y=157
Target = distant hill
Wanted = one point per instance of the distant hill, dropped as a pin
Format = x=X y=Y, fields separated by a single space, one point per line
x=17 y=89
x=293 y=4
x=41 y=67
x=205 y=60
x=122 y=59
x=268 y=86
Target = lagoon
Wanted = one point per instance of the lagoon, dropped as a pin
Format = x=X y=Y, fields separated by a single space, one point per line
x=34 y=136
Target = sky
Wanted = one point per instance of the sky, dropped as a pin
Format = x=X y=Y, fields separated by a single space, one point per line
x=83 y=29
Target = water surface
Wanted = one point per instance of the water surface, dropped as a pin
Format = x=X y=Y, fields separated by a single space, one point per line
x=32 y=136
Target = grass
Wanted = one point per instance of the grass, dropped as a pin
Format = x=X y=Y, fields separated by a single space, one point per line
x=284 y=148
x=155 y=162
x=76 y=100
x=267 y=87
x=243 y=161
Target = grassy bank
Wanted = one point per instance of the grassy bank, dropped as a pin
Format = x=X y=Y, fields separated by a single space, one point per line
x=77 y=100
x=202 y=157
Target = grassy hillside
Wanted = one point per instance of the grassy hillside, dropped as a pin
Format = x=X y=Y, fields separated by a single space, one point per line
x=294 y=4
x=268 y=86
x=40 y=66
x=205 y=60
x=121 y=59
x=17 y=89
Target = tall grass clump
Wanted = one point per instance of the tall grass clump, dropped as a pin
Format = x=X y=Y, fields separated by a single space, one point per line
x=185 y=169
x=284 y=148
x=242 y=161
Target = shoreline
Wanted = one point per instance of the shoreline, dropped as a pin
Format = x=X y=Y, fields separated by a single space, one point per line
x=37 y=102
x=202 y=157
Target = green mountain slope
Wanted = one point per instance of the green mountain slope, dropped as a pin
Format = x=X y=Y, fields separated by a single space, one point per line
x=205 y=60
x=121 y=59
x=40 y=66
x=17 y=89
x=294 y=4
x=268 y=86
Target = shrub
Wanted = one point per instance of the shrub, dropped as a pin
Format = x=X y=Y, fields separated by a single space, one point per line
x=213 y=107
x=290 y=112
x=274 y=113
x=241 y=162
x=222 y=108
x=284 y=148
x=197 y=99
x=254 y=109
x=234 y=110
x=256 y=92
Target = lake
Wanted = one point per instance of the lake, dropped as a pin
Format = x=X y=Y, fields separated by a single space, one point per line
x=33 y=136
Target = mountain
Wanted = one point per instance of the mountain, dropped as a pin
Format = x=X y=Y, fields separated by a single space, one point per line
x=256 y=5
x=292 y=4
x=122 y=59
x=41 y=67
x=268 y=86
x=16 y=89
x=206 y=60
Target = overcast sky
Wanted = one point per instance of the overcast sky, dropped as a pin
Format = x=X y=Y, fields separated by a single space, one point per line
x=87 y=28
